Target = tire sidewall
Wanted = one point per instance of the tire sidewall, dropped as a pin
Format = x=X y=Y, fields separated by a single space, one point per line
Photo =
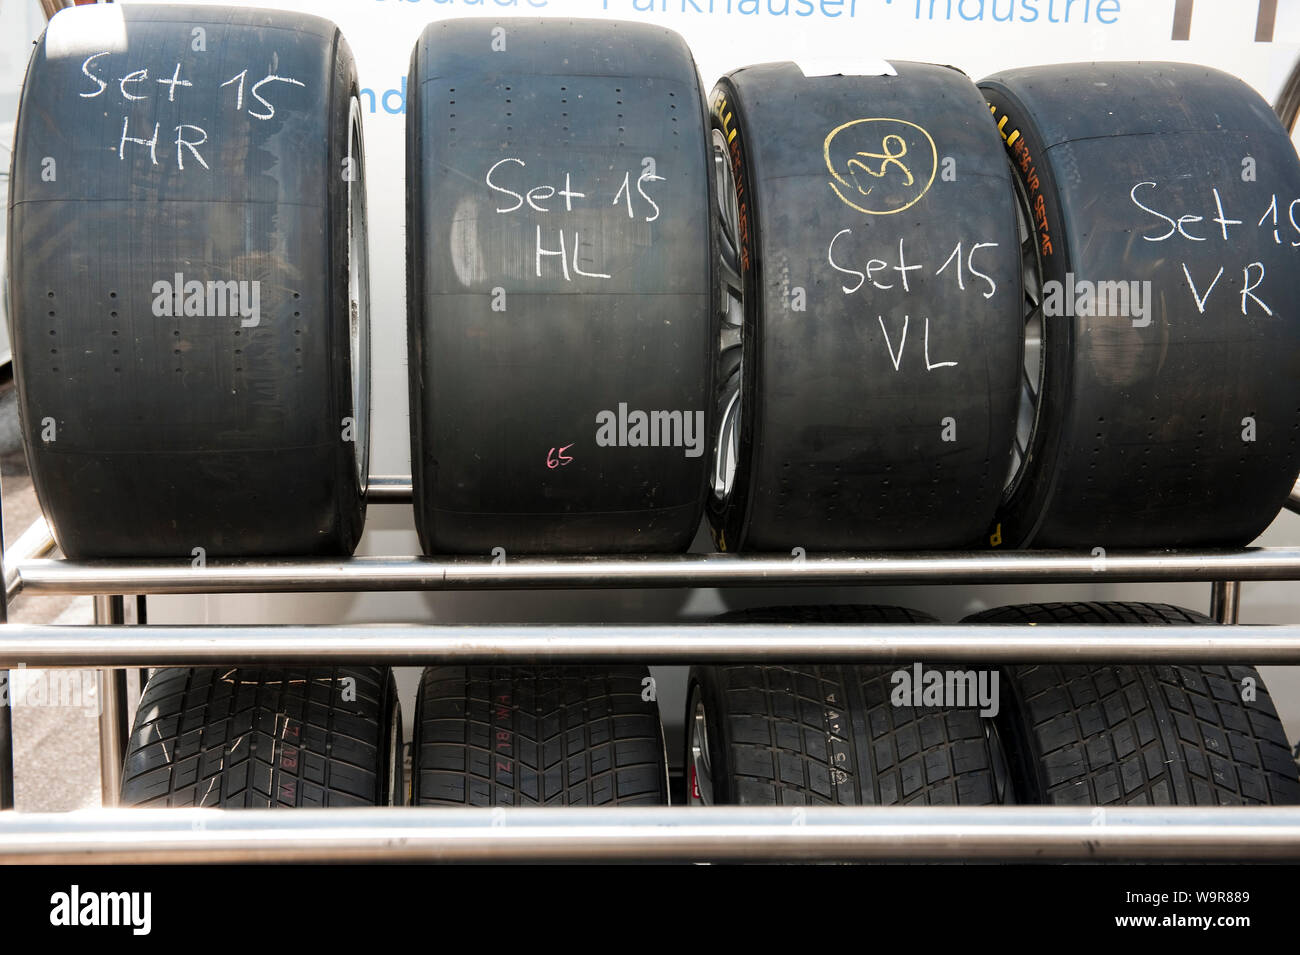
x=1021 y=513
x=703 y=687
x=728 y=518
x=392 y=763
x=351 y=499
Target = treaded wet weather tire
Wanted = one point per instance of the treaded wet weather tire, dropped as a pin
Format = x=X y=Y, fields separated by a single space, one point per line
x=537 y=736
x=832 y=735
x=187 y=280
x=561 y=316
x=1163 y=735
x=872 y=340
x=265 y=739
x=1161 y=206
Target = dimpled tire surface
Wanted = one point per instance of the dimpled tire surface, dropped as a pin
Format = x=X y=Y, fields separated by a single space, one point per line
x=541 y=736
x=831 y=735
x=244 y=738
x=1143 y=735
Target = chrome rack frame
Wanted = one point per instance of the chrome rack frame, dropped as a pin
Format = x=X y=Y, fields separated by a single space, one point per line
x=718 y=833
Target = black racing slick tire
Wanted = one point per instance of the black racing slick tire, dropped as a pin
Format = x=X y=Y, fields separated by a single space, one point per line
x=237 y=738
x=561 y=317
x=1163 y=735
x=833 y=735
x=537 y=736
x=187 y=280
x=1161 y=205
x=871 y=345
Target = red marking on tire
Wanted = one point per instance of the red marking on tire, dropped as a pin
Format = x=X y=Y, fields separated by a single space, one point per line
x=505 y=739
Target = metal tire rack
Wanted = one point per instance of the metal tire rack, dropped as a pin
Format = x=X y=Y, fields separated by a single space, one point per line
x=602 y=834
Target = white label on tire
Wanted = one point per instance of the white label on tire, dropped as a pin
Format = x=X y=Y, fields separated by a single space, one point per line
x=76 y=31
x=845 y=66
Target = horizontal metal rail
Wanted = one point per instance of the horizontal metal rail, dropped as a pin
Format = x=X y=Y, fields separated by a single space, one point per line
x=389 y=489
x=660 y=834
x=686 y=570
x=33 y=645
x=35 y=542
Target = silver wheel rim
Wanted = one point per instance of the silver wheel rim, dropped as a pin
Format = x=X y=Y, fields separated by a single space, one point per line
x=731 y=364
x=358 y=298
x=699 y=789
x=1031 y=374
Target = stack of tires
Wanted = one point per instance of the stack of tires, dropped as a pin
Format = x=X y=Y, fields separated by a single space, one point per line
x=889 y=311
x=187 y=275
x=561 y=324
x=1115 y=368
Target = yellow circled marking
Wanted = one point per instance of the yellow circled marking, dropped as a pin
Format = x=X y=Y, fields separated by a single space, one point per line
x=886 y=158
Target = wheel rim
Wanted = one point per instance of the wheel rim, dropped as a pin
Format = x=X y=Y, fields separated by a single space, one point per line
x=358 y=299
x=699 y=788
x=1031 y=373
x=731 y=364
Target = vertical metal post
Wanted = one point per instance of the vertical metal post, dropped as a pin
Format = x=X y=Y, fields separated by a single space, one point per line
x=1182 y=20
x=51 y=7
x=1225 y=600
x=142 y=619
x=112 y=709
x=6 y=714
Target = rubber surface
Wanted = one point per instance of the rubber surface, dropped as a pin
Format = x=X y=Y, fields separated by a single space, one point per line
x=1176 y=424
x=161 y=412
x=240 y=738
x=795 y=735
x=560 y=360
x=537 y=736
x=1140 y=735
x=881 y=309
